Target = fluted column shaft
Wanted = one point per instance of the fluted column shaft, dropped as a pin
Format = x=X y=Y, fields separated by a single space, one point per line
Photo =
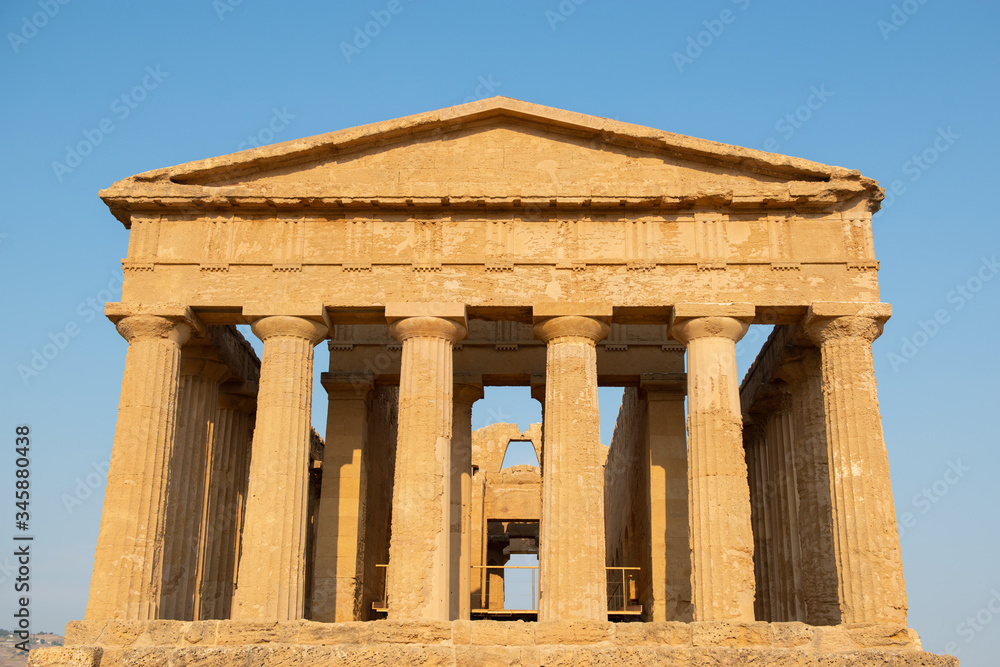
x=779 y=442
x=670 y=546
x=722 y=576
x=340 y=523
x=820 y=588
x=128 y=562
x=271 y=579
x=230 y=449
x=198 y=399
x=753 y=443
x=869 y=563
x=571 y=559
x=465 y=394
x=419 y=553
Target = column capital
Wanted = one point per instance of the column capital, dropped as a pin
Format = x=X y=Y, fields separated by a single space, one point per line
x=175 y=313
x=235 y=401
x=348 y=385
x=137 y=328
x=467 y=387
x=664 y=386
x=289 y=326
x=537 y=381
x=772 y=398
x=421 y=326
x=828 y=320
x=801 y=362
x=685 y=330
x=571 y=326
x=201 y=360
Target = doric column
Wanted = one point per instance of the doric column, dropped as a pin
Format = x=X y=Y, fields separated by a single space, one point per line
x=820 y=587
x=779 y=435
x=230 y=450
x=571 y=559
x=336 y=583
x=722 y=576
x=869 y=564
x=271 y=579
x=128 y=562
x=419 y=550
x=198 y=399
x=670 y=547
x=754 y=444
x=467 y=390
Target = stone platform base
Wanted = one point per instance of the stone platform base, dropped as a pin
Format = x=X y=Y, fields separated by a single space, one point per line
x=484 y=644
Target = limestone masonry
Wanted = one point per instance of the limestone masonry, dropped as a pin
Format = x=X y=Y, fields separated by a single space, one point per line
x=497 y=243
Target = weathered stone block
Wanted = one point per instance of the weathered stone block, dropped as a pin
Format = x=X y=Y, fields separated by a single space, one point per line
x=487 y=633
x=790 y=635
x=247 y=632
x=572 y=632
x=210 y=656
x=201 y=633
x=833 y=639
x=281 y=655
x=64 y=656
x=410 y=632
x=84 y=632
x=488 y=656
x=520 y=633
x=121 y=633
x=153 y=656
x=162 y=633
x=330 y=633
x=461 y=632
x=708 y=633
x=875 y=635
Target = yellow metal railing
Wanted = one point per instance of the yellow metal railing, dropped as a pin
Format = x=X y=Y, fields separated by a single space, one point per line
x=498 y=591
x=623 y=591
x=494 y=591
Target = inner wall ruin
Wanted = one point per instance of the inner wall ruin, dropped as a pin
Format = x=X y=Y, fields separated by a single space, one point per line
x=497 y=243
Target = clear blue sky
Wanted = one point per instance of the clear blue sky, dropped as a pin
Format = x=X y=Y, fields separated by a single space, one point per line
x=210 y=81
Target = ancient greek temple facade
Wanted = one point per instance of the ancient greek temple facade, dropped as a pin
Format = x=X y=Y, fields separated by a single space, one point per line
x=497 y=243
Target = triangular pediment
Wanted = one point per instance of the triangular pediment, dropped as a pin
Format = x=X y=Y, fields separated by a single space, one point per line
x=496 y=150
